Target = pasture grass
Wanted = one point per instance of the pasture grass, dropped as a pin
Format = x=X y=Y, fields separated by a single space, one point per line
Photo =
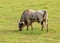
x=10 y=13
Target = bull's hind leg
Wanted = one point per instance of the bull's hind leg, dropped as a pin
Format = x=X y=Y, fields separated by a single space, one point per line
x=42 y=26
x=47 y=25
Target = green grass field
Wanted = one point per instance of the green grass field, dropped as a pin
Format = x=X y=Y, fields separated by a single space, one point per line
x=10 y=13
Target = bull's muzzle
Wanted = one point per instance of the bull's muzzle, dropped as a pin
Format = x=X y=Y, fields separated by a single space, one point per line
x=21 y=26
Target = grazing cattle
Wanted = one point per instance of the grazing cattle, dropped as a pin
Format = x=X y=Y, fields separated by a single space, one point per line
x=30 y=16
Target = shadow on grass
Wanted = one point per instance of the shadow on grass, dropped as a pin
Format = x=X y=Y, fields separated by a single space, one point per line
x=38 y=31
x=29 y=32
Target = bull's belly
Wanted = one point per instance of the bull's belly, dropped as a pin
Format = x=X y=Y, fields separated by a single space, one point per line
x=35 y=20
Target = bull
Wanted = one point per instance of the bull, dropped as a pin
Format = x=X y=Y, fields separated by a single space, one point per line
x=29 y=16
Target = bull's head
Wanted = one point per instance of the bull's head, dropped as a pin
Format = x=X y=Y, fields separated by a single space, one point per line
x=21 y=25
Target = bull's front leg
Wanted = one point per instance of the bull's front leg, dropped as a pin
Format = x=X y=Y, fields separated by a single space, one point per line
x=31 y=27
x=27 y=23
x=27 y=27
